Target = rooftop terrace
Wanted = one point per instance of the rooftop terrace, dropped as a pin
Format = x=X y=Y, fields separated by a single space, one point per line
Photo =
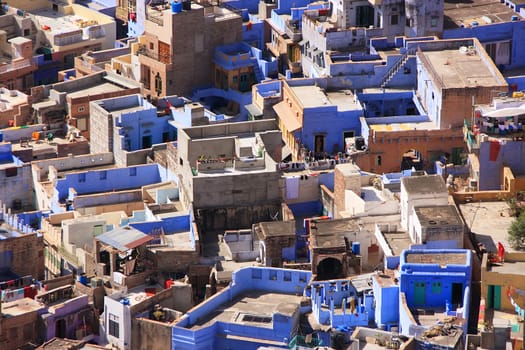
x=476 y=12
x=253 y=308
x=459 y=68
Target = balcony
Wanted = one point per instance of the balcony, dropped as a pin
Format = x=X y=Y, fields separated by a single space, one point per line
x=293 y=30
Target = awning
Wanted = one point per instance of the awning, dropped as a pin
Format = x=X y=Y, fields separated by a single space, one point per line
x=505 y=112
x=124 y=238
x=254 y=110
x=286 y=117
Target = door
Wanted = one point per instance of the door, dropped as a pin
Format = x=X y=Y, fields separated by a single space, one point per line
x=319 y=143
x=419 y=293
x=146 y=141
x=457 y=294
x=497 y=298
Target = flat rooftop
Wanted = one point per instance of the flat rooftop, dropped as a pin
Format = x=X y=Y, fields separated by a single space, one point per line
x=95 y=90
x=456 y=69
x=253 y=308
x=277 y=229
x=385 y=126
x=324 y=227
x=384 y=280
x=397 y=241
x=424 y=184
x=442 y=259
x=11 y=98
x=139 y=294
x=443 y=215
x=489 y=222
x=175 y=241
x=56 y=22
x=19 y=307
x=483 y=12
x=509 y=267
x=344 y=100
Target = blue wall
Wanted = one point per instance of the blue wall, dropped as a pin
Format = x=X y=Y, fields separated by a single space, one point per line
x=145 y=122
x=329 y=121
x=437 y=279
x=115 y=179
x=511 y=154
x=261 y=279
x=387 y=303
x=514 y=31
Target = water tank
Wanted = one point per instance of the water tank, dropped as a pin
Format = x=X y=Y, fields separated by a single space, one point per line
x=176 y=7
x=124 y=301
x=1 y=137
x=186 y=5
x=474 y=24
x=514 y=18
x=356 y=248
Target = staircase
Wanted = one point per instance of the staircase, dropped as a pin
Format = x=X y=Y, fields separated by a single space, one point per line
x=258 y=73
x=395 y=68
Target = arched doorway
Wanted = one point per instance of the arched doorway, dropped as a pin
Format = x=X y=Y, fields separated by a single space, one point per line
x=412 y=159
x=329 y=268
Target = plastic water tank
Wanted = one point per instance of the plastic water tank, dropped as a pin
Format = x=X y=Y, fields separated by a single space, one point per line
x=176 y=7
x=1 y=137
x=356 y=248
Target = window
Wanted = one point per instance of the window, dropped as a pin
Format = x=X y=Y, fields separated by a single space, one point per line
x=151 y=46
x=10 y=172
x=113 y=325
x=181 y=162
x=82 y=124
x=158 y=84
x=82 y=177
x=132 y=171
x=378 y=160
x=27 y=32
x=436 y=287
x=434 y=21
x=103 y=175
x=287 y=276
x=81 y=108
x=394 y=20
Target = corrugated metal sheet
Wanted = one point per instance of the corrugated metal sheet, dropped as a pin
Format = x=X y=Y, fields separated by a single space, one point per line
x=124 y=238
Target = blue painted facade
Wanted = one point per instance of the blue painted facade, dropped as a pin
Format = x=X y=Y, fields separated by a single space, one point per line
x=331 y=122
x=213 y=336
x=253 y=32
x=142 y=123
x=97 y=181
x=511 y=154
x=436 y=284
x=391 y=104
x=332 y=304
x=387 y=303
x=48 y=67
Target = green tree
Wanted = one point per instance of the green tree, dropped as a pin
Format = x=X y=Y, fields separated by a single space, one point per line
x=517 y=232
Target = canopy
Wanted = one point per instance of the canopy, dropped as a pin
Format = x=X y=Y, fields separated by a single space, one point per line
x=505 y=112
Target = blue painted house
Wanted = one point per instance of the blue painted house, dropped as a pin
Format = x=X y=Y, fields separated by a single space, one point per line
x=338 y=304
x=436 y=280
x=261 y=307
